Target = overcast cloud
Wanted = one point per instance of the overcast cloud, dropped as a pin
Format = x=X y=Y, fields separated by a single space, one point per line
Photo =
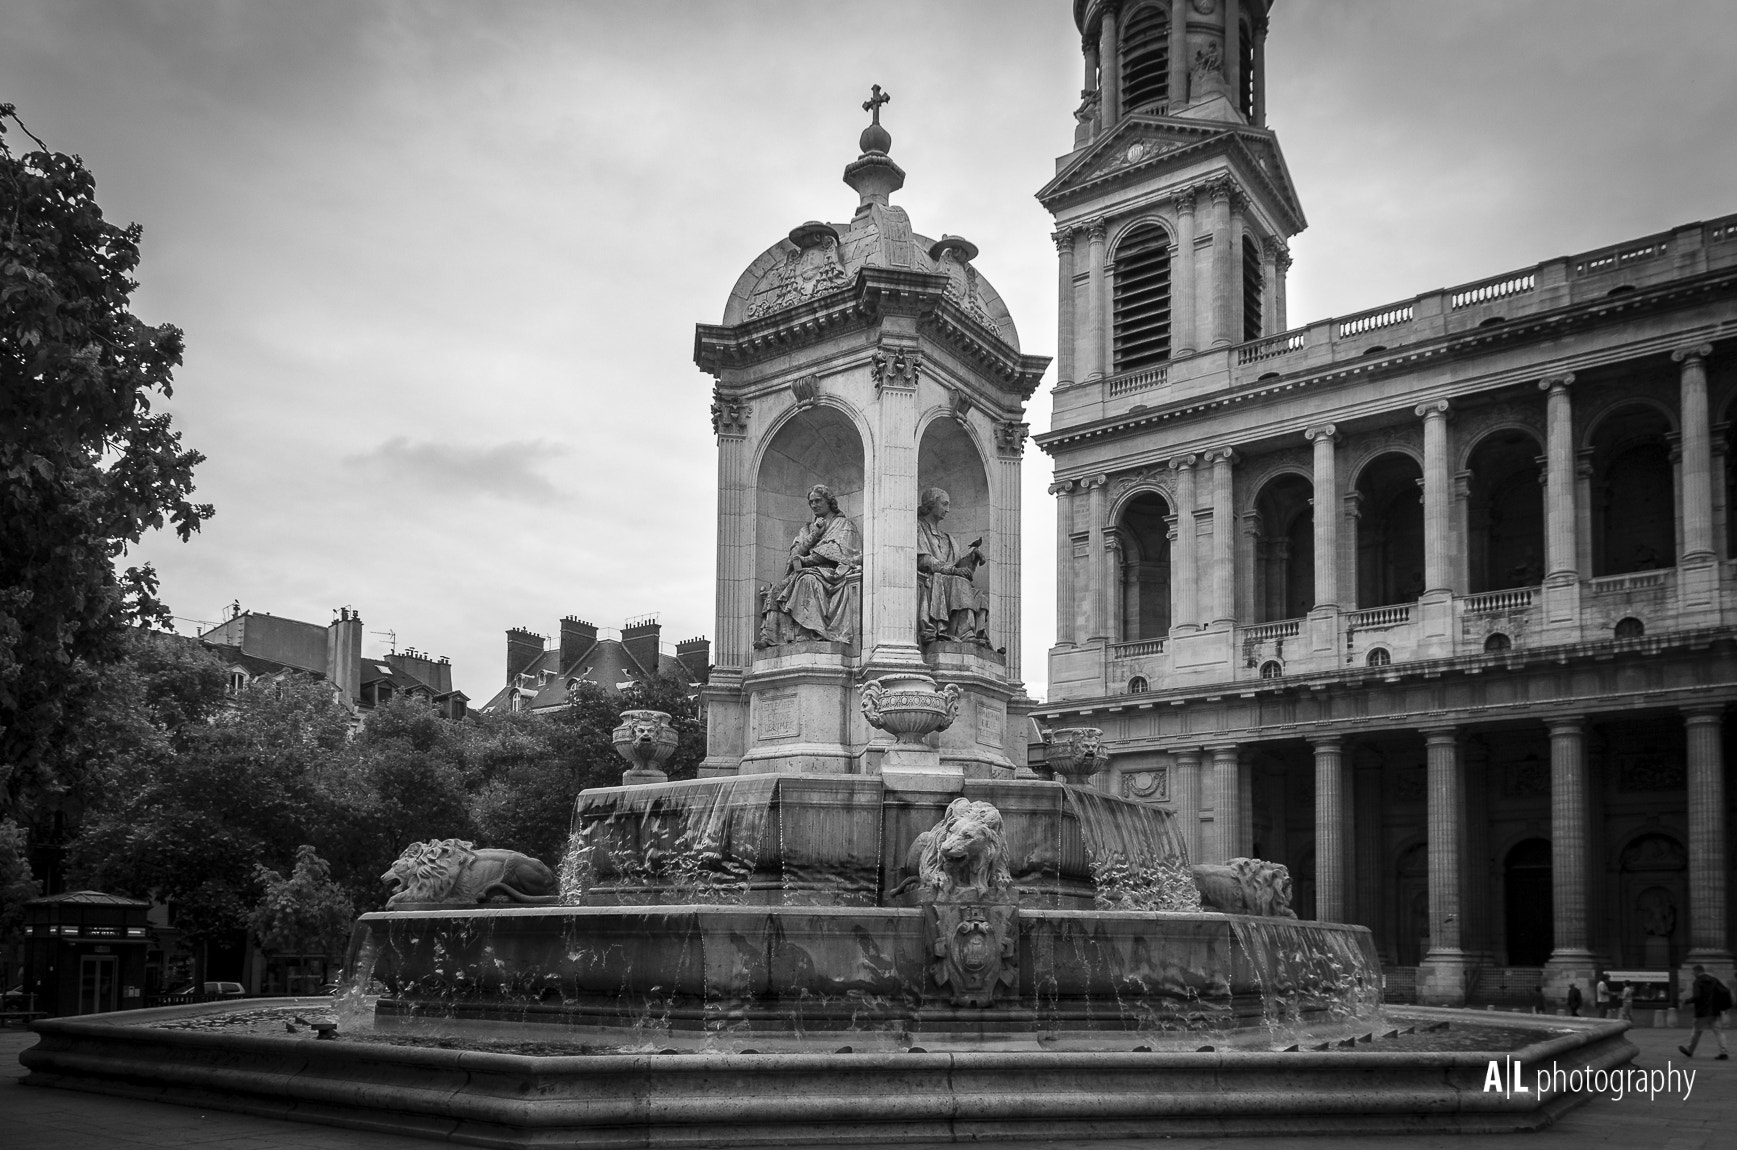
x=439 y=263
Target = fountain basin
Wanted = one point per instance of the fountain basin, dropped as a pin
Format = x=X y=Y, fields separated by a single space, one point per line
x=640 y=1100
x=782 y=970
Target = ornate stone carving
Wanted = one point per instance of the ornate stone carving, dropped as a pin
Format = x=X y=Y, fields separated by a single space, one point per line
x=811 y=268
x=953 y=256
x=1090 y=98
x=645 y=739
x=453 y=872
x=1246 y=886
x=1183 y=201
x=1650 y=773
x=806 y=390
x=820 y=596
x=729 y=415
x=950 y=605
x=1075 y=754
x=1151 y=786
x=910 y=706
x=1657 y=911
x=1010 y=438
x=894 y=367
x=970 y=907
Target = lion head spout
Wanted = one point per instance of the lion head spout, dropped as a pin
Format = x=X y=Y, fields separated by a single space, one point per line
x=966 y=850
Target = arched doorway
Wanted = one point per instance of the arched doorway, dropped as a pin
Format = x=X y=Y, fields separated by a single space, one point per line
x=1505 y=513
x=1633 y=493
x=1285 y=549
x=1653 y=886
x=1390 y=531
x=1528 y=903
x=1143 y=531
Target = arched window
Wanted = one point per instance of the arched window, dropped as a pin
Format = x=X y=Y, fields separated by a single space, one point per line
x=1285 y=549
x=1252 y=284
x=1142 y=298
x=1634 y=494
x=1389 y=532
x=1146 y=60
x=1138 y=685
x=1498 y=642
x=1379 y=657
x=1630 y=628
x=1505 y=513
x=1272 y=669
x=1145 y=575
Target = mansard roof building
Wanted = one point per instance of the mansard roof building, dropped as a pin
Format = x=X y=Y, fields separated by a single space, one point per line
x=539 y=677
x=1435 y=603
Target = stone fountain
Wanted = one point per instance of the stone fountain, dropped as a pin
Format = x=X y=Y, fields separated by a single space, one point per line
x=870 y=919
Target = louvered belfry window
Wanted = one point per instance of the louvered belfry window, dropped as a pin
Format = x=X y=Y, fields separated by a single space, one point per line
x=1146 y=60
x=1142 y=299
x=1251 y=288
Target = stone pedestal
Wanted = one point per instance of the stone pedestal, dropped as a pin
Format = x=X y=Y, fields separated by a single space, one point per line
x=978 y=743
x=802 y=714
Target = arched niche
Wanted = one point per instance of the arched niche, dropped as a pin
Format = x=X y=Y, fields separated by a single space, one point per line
x=948 y=459
x=818 y=444
x=1505 y=512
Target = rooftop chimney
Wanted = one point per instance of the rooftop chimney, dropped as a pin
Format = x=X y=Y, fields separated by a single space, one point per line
x=640 y=637
x=577 y=637
x=523 y=648
x=696 y=656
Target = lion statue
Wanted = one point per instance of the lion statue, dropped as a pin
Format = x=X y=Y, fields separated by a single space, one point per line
x=1245 y=886
x=966 y=850
x=452 y=872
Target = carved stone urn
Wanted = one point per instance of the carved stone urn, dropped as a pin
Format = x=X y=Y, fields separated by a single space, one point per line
x=1075 y=754
x=646 y=739
x=909 y=706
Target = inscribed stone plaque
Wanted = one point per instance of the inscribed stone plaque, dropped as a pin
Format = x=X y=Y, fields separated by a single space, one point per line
x=989 y=725
x=778 y=716
x=1148 y=786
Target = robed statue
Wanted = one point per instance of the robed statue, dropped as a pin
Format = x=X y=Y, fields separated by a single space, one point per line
x=950 y=605
x=820 y=596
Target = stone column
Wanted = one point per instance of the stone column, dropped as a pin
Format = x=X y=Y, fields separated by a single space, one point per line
x=1064 y=352
x=1116 y=567
x=1232 y=51
x=1708 y=865
x=1332 y=837
x=1437 y=493
x=1326 y=515
x=1475 y=937
x=1697 y=441
x=1367 y=854
x=1092 y=362
x=1444 y=974
x=1223 y=262
x=890 y=544
x=1561 y=560
x=1097 y=629
x=1183 y=312
x=1270 y=286
x=1233 y=280
x=737 y=616
x=1245 y=800
x=1107 y=309
x=1184 y=608
x=1570 y=859
x=1280 y=267
x=1223 y=537
x=1188 y=800
x=1064 y=562
x=1226 y=803
x=1110 y=69
x=1178 y=55
x=1583 y=472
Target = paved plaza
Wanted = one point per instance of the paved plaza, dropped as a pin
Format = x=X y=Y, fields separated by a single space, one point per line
x=42 y=1119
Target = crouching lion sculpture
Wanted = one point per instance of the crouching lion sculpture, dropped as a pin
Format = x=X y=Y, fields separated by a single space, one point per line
x=1245 y=886
x=452 y=872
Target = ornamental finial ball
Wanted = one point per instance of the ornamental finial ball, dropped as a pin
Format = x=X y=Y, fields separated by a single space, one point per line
x=874 y=137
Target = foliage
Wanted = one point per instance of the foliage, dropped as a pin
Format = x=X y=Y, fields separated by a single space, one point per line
x=86 y=466
x=306 y=913
x=17 y=885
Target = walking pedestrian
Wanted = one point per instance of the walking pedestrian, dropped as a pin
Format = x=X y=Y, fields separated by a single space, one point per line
x=1602 y=994
x=1626 y=1011
x=1710 y=998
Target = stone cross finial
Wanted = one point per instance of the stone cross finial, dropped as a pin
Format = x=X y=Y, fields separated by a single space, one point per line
x=872 y=105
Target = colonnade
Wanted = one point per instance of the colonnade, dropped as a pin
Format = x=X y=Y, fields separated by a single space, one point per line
x=1202 y=484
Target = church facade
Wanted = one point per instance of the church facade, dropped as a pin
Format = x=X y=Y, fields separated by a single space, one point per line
x=1434 y=603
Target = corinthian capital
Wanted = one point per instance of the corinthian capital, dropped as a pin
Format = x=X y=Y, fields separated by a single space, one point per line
x=1096 y=229
x=1064 y=239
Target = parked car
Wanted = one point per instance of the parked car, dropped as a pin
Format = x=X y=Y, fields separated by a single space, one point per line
x=225 y=990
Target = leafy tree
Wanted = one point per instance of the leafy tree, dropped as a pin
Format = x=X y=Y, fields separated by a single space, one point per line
x=86 y=465
x=17 y=885
x=188 y=825
x=306 y=913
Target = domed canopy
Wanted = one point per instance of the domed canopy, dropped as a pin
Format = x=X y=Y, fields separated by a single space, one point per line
x=817 y=259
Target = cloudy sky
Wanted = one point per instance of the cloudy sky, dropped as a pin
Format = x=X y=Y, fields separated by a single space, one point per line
x=439 y=263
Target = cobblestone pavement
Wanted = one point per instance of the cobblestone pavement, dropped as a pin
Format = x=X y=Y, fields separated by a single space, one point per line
x=45 y=1119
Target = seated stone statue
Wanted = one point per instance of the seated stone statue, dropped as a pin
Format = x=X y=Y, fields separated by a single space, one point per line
x=949 y=604
x=820 y=596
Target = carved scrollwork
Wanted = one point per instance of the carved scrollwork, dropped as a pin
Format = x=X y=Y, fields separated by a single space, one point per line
x=1010 y=437
x=895 y=367
x=729 y=415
